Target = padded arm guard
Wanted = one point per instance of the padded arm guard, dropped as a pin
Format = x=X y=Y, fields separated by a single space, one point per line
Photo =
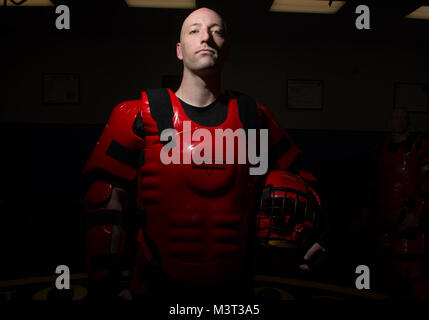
x=113 y=163
x=117 y=152
x=423 y=163
x=104 y=266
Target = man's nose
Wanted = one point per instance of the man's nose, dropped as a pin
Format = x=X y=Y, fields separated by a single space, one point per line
x=205 y=35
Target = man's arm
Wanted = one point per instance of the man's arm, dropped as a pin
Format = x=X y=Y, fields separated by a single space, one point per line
x=110 y=172
x=285 y=155
x=117 y=202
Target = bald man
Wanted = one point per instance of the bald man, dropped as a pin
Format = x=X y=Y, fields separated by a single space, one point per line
x=194 y=237
x=401 y=168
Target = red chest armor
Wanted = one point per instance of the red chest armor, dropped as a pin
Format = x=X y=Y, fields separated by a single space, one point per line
x=397 y=179
x=196 y=215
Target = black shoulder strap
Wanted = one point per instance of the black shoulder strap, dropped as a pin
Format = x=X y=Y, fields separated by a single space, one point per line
x=247 y=110
x=161 y=108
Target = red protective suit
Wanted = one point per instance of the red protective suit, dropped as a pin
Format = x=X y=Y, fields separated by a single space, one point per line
x=195 y=217
x=401 y=175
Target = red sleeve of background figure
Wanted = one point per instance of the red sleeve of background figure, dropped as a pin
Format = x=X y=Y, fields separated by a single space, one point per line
x=423 y=163
x=113 y=163
x=283 y=151
x=423 y=166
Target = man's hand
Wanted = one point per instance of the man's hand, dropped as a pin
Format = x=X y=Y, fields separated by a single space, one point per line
x=125 y=295
x=310 y=253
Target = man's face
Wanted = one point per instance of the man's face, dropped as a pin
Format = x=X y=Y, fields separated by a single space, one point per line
x=202 y=44
x=399 y=120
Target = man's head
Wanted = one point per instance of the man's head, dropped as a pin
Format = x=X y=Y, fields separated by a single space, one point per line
x=399 y=120
x=203 y=47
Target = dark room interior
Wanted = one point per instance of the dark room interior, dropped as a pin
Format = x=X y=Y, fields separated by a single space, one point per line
x=113 y=51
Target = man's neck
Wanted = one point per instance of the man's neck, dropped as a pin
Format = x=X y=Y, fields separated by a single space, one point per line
x=197 y=90
x=399 y=137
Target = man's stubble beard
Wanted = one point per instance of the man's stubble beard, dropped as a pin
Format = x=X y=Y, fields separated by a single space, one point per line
x=206 y=69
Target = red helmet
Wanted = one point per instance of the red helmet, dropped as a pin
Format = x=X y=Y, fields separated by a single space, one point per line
x=288 y=210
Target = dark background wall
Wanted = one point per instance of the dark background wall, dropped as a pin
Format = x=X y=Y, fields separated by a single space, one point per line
x=119 y=54
x=119 y=51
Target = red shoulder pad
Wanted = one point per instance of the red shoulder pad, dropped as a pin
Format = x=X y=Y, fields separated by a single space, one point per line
x=269 y=121
x=282 y=146
x=117 y=150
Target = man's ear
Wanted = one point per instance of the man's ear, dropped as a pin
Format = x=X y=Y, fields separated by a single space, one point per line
x=179 y=51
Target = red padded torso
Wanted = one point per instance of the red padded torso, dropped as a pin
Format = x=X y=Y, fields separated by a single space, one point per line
x=196 y=215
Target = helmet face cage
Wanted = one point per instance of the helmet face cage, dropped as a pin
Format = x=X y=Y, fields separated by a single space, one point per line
x=285 y=216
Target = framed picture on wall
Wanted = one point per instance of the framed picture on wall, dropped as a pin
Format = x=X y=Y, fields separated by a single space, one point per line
x=304 y=94
x=61 y=88
x=412 y=96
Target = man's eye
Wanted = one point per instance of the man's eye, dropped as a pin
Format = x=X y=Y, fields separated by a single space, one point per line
x=193 y=31
x=218 y=32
